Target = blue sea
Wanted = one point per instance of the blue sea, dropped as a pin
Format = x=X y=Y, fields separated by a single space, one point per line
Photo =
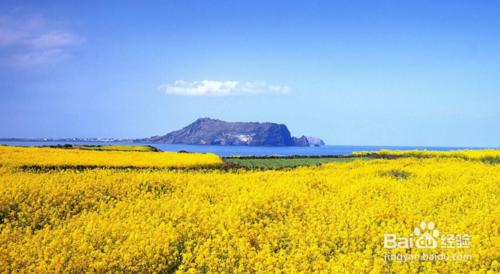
x=248 y=150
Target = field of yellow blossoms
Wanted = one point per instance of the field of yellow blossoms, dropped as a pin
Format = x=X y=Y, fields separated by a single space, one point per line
x=50 y=157
x=486 y=155
x=106 y=211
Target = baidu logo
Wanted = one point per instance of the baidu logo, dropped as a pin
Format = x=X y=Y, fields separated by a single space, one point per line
x=427 y=236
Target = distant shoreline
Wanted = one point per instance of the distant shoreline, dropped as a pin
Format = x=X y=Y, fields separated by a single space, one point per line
x=136 y=141
x=109 y=140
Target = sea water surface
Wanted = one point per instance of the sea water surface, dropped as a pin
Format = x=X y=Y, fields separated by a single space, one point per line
x=247 y=150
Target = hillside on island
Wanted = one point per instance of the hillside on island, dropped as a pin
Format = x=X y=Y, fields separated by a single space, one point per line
x=206 y=131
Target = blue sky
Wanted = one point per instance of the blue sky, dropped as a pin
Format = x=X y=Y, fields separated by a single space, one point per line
x=351 y=72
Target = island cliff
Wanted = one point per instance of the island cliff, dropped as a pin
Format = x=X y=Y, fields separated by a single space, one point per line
x=206 y=131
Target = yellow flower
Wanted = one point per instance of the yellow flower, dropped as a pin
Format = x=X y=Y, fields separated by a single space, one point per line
x=326 y=219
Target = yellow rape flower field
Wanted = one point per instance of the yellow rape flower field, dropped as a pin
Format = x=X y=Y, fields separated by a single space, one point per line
x=488 y=155
x=50 y=157
x=164 y=218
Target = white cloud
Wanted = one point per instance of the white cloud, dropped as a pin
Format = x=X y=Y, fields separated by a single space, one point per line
x=222 y=88
x=33 y=40
x=55 y=39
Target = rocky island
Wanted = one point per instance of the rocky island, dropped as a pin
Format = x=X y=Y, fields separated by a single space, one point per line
x=206 y=131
